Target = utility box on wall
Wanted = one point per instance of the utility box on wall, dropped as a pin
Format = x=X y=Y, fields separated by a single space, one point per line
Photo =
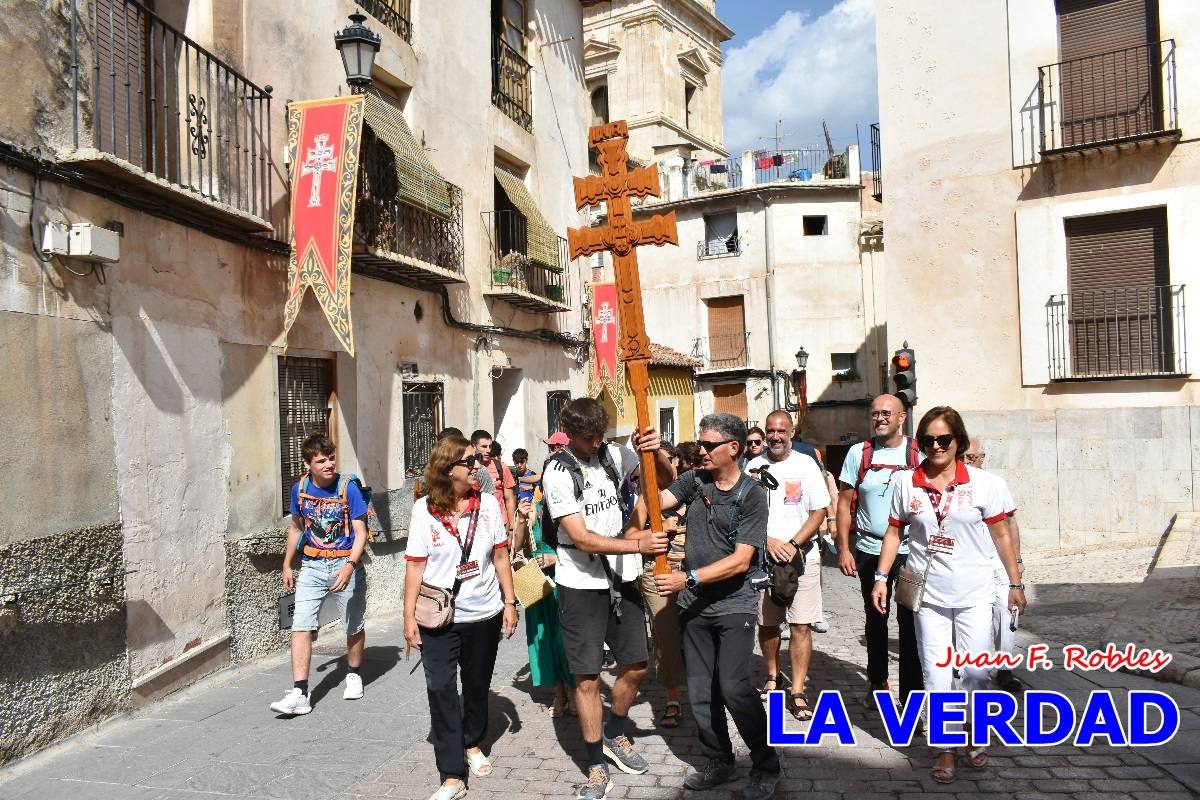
x=81 y=240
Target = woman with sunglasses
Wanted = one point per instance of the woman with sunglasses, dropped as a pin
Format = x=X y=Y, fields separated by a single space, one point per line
x=954 y=514
x=457 y=540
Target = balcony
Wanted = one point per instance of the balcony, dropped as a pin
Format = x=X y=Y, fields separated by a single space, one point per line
x=395 y=14
x=516 y=277
x=876 y=168
x=1129 y=332
x=722 y=353
x=399 y=242
x=719 y=248
x=510 y=83
x=772 y=166
x=157 y=112
x=1124 y=97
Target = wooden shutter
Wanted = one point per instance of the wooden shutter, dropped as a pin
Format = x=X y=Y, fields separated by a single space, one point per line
x=305 y=391
x=1109 y=91
x=730 y=398
x=727 y=332
x=1119 y=308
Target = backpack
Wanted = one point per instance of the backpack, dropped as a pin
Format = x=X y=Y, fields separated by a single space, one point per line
x=912 y=457
x=572 y=465
x=344 y=480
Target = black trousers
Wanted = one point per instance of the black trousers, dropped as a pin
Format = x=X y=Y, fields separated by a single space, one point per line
x=470 y=647
x=716 y=657
x=911 y=679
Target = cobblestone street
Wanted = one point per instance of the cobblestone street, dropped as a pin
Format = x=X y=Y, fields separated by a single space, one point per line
x=218 y=739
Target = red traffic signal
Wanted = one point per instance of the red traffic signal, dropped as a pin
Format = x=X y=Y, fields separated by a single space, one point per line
x=904 y=376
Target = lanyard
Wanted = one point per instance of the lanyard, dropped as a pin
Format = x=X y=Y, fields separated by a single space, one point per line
x=452 y=529
x=940 y=501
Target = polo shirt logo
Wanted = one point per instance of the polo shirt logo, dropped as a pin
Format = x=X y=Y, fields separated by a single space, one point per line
x=914 y=505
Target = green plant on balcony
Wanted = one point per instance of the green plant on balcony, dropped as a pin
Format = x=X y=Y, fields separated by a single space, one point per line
x=510 y=271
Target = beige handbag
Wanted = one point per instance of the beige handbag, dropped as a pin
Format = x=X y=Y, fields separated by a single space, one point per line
x=531 y=584
x=910 y=587
x=435 y=607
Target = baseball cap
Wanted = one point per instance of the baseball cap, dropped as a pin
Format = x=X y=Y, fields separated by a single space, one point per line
x=558 y=438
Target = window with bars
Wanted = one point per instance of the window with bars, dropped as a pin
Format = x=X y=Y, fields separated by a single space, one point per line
x=305 y=404
x=555 y=401
x=424 y=410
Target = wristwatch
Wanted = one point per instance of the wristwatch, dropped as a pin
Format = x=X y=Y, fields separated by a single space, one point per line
x=693 y=580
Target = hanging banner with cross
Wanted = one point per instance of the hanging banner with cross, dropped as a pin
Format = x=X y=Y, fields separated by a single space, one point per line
x=607 y=372
x=614 y=186
x=323 y=139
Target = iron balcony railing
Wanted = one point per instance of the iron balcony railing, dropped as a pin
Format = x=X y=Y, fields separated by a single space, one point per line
x=1107 y=98
x=1113 y=333
x=393 y=226
x=510 y=83
x=719 y=248
x=876 y=168
x=797 y=165
x=395 y=14
x=723 y=351
x=149 y=95
x=717 y=174
x=511 y=266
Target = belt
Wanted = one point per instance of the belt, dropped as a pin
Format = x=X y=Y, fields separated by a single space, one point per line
x=313 y=552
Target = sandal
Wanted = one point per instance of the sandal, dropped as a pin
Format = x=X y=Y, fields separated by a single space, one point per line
x=977 y=758
x=800 y=712
x=942 y=774
x=773 y=681
x=671 y=715
x=479 y=764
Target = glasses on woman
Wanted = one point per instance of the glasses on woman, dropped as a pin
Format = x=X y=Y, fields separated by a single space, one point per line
x=942 y=441
x=469 y=462
x=708 y=447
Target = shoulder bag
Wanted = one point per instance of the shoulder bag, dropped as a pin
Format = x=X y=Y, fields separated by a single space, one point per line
x=435 y=605
x=910 y=586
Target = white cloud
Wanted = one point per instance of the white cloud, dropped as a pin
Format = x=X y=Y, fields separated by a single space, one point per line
x=803 y=69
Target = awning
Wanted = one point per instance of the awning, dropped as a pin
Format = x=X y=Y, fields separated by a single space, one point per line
x=542 y=240
x=420 y=184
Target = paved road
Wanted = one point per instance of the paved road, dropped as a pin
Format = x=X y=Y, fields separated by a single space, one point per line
x=218 y=739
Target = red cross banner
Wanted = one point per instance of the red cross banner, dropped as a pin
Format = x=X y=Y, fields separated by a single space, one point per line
x=606 y=370
x=323 y=139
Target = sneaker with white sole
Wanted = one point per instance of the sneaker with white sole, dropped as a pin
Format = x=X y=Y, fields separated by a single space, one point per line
x=621 y=751
x=293 y=703
x=820 y=626
x=597 y=785
x=354 y=690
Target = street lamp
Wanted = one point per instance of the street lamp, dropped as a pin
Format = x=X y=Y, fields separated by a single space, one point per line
x=799 y=382
x=802 y=358
x=357 y=45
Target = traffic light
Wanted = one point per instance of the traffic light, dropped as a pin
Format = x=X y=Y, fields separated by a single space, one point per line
x=904 y=376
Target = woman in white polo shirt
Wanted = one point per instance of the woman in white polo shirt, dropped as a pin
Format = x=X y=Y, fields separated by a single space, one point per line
x=955 y=514
x=452 y=521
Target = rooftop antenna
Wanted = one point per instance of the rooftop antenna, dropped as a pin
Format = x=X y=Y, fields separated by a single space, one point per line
x=778 y=137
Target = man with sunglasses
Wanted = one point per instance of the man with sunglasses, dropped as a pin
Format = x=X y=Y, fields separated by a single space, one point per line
x=864 y=502
x=726 y=532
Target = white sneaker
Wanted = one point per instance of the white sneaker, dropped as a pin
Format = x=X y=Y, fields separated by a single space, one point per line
x=354 y=690
x=293 y=703
x=821 y=626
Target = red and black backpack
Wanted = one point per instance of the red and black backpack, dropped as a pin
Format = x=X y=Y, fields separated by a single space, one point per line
x=912 y=457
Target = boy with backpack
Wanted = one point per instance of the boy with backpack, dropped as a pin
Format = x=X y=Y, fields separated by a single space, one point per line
x=864 y=500
x=596 y=572
x=328 y=531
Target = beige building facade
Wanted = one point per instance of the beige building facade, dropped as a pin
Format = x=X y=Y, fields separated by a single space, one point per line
x=155 y=425
x=1041 y=190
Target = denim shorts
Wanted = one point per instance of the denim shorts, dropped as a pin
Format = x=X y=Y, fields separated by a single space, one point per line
x=312 y=588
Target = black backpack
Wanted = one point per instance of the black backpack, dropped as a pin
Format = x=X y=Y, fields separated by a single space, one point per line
x=572 y=465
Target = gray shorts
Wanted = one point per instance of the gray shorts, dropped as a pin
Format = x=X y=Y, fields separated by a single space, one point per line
x=312 y=588
x=588 y=622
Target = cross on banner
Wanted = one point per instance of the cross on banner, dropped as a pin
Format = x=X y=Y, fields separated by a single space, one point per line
x=622 y=236
x=320 y=159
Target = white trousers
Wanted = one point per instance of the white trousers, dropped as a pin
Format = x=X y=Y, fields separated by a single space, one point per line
x=965 y=630
x=1002 y=637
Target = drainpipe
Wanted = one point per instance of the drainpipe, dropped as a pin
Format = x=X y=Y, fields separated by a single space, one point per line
x=769 y=251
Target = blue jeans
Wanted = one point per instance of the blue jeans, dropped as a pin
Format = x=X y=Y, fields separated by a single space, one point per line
x=317 y=575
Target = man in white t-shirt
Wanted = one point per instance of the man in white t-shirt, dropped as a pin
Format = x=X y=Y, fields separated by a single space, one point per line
x=597 y=573
x=797 y=498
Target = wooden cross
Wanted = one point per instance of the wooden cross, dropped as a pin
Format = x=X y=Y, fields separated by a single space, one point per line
x=614 y=186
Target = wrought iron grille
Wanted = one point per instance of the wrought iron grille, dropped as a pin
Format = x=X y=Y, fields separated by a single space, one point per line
x=385 y=223
x=305 y=389
x=511 y=265
x=555 y=401
x=1108 y=97
x=156 y=99
x=510 y=83
x=1109 y=333
x=797 y=165
x=395 y=14
x=725 y=351
x=719 y=247
x=876 y=164
x=723 y=173
x=424 y=410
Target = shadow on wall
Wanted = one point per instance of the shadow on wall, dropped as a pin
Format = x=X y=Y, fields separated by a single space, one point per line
x=1096 y=170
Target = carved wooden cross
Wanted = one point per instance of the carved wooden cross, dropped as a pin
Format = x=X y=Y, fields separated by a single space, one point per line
x=614 y=186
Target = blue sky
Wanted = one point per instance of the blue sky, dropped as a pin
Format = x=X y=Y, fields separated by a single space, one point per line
x=802 y=61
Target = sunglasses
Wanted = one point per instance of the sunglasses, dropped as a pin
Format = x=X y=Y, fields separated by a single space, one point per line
x=753 y=442
x=943 y=441
x=467 y=462
x=881 y=415
x=708 y=447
